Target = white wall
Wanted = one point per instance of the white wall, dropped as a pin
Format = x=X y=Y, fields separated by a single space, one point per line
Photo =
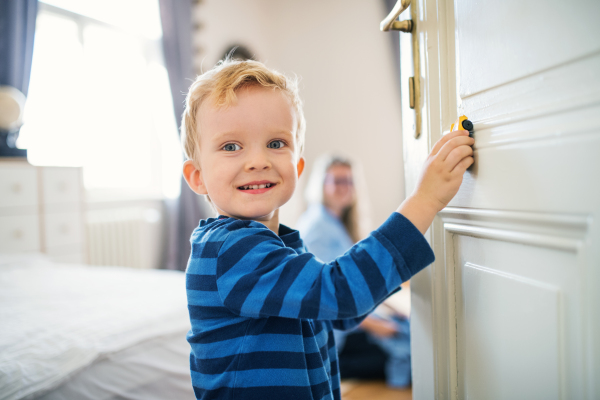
x=349 y=87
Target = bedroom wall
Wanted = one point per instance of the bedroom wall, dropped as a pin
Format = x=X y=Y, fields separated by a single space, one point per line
x=349 y=86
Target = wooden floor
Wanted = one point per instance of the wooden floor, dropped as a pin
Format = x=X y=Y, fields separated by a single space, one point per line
x=363 y=390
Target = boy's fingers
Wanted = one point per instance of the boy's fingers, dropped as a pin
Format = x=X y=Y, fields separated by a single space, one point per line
x=457 y=155
x=462 y=166
x=452 y=144
x=440 y=143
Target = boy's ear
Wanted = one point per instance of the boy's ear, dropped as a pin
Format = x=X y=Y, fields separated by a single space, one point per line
x=300 y=166
x=193 y=177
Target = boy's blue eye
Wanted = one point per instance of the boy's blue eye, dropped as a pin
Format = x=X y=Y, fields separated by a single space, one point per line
x=231 y=147
x=276 y=144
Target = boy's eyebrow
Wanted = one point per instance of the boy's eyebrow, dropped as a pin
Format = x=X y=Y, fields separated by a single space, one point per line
x=221 y=136
x=284 y=132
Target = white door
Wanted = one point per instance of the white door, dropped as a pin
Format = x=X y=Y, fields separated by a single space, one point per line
x=511 y=307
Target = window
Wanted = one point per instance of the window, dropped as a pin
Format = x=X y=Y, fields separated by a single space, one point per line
x=99 y=97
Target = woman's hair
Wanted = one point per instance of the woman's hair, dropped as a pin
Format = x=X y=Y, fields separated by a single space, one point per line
x=354 y=216
x=220 y=84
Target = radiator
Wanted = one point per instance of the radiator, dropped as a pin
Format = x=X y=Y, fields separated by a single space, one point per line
x=129 y=237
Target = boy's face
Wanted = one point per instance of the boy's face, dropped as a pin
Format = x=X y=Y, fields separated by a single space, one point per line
x=249 y=164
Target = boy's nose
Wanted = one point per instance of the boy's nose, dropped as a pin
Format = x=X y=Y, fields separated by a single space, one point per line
x=258 y=161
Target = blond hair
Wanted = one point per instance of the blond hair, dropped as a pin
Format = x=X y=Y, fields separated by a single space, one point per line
x=220 y=85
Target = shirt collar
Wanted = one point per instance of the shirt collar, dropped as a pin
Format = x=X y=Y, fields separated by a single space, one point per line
x=290 y=237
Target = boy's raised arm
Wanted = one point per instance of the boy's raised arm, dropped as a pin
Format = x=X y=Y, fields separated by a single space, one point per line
x=257 y=276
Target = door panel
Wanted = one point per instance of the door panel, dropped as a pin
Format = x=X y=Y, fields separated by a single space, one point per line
x=539 y=164
x=503 y=41
x=518 y=303
x=508 y=329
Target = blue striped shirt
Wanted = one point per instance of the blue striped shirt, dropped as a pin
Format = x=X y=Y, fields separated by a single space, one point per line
x=262 y=309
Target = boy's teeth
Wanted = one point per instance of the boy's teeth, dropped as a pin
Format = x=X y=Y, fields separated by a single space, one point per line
x=266 y=185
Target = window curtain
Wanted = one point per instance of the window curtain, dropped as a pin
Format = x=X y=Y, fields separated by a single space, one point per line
x=185 y=212
x=17 y=29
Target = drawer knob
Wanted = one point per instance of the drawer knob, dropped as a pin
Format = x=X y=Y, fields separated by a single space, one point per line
x=64 y=229
x=16 y=187
x=62 y=186
x=18 y=234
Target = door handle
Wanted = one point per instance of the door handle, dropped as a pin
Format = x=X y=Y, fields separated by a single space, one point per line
x=390 y=23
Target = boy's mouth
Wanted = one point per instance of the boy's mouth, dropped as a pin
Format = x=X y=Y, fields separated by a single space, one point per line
x=257 y=187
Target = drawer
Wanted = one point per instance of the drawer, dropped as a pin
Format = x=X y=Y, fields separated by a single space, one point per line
x=18 y=186
x=61 y=185
x=61 y=229
x=19 y=234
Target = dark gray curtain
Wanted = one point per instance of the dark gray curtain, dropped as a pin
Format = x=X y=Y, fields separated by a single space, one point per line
x=184 y=213
x=17 y=29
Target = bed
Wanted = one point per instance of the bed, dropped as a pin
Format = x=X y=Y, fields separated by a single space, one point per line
x=81 y=332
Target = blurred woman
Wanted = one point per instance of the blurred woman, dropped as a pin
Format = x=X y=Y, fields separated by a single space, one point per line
x=333 y=222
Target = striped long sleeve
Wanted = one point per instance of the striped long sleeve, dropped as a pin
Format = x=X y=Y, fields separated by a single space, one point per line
x=258 y=276
x=262 y=307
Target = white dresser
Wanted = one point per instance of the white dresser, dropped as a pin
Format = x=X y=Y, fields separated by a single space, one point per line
x=41 y=210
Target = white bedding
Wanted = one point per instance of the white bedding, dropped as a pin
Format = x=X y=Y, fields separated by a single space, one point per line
x=57 y=319
x=156 y=369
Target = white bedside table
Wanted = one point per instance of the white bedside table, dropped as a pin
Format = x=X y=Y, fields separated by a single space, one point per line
x=41 y=210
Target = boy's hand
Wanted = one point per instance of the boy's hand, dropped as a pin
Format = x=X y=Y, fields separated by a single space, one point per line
x=444 y=169
x=440 y=179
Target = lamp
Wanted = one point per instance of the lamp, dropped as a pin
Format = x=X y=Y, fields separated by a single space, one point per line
x=12 y=103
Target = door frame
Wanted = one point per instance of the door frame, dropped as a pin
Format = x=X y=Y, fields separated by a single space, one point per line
x=433 y=318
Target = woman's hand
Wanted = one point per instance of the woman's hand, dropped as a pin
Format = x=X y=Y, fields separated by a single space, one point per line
x=379 y=327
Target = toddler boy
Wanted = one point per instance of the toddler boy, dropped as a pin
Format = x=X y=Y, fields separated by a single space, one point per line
x=262 y=309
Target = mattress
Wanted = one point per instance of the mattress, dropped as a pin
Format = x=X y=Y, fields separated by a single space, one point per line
x=157 y=369
x=61 y=325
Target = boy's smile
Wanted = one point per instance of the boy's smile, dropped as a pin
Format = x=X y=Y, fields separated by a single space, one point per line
x=248 y=157
x=257 y=187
